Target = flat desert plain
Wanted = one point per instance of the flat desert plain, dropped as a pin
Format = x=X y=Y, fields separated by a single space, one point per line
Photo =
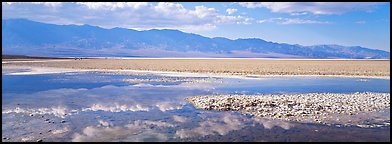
x=242 y=66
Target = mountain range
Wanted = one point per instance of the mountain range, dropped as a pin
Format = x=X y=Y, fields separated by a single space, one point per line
x=26 y=37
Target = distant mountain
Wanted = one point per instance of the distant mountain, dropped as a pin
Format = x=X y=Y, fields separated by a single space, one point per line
x=25 y=37
x=4 y=56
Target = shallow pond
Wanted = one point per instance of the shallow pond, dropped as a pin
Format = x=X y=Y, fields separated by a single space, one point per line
x=96 y=106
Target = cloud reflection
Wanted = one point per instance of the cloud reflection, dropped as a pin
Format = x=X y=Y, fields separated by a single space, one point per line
x=185 y=85
x=169 y=105
x=216 y=125
x=60 y=131
x=104 y=123
x=58 y=111
x=269 y=124
x=115 y=108
x=180 y=119
x=222 y=124
x=156 y=123
x=137 y=131
x=141 y=130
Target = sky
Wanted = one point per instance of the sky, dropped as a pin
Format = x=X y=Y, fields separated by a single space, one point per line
x=365 y=24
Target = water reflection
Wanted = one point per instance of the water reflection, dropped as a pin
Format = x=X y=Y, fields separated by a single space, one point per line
x=104 y=107
x=58 y=111
x=115 y=107
x=219 y=124
x=132 y=132
x=269 y=124
x=180 y=119
x=106 y=98
x=169 y=105
x=139 y=130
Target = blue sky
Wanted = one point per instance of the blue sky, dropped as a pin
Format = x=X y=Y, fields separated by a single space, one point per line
x=305 y=23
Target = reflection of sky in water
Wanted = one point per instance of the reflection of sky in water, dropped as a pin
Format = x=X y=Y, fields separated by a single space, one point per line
x=307 y=85
x=103 y=107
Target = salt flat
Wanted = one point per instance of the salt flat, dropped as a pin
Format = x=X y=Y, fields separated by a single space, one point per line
x=238 y=66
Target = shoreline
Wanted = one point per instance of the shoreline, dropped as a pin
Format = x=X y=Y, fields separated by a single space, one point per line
x=29 y=61
x=223 y=58
x=53 y=70
x=197 y=58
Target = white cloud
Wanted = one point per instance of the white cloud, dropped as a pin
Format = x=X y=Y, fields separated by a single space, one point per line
x=231 y=10
x=313 y=7
x=134 y=15
x=52 y=4
x=196 y=28
x=170 y=8
x=203 y=12
x=245 y=21
x=299 y=13
x=237 y=19
x=292 y=21
x=112 y=5
x=48 y=4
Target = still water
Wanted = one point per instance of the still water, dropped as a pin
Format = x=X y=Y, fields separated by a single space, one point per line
x=96 y=106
